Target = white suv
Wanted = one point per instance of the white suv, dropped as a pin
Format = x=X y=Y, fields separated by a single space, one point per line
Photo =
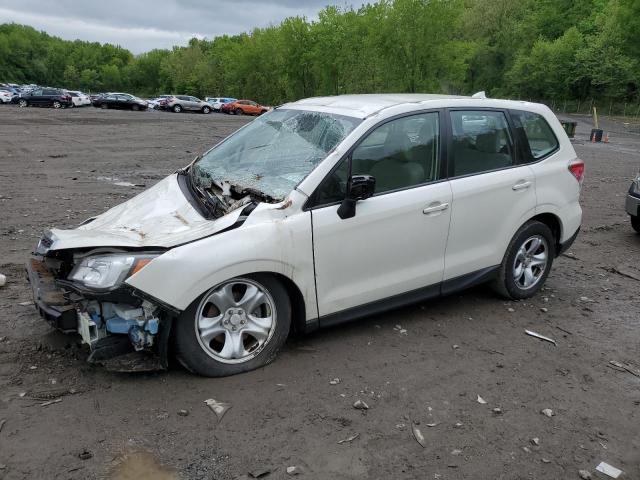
x=322 y=211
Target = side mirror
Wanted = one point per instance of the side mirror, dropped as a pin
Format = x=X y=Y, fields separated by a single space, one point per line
x=359 y=187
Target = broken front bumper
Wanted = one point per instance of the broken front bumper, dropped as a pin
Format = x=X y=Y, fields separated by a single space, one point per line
x=112 y=327
x=50 y=301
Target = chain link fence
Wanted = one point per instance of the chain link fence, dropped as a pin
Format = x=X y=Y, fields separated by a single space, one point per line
x=609 y=108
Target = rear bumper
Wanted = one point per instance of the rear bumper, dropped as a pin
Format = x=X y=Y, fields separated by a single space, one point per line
x=50 y=301
x=566 y=245
x=632 y=205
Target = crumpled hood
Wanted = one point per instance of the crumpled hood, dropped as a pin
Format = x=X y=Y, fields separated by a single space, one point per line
x=158 y=217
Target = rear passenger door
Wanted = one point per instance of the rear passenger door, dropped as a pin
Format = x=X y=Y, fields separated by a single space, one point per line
x=493 y=190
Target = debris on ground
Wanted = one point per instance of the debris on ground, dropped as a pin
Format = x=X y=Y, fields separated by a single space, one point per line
x=334 y=381
x=585 y=474
x=535 y=441
x=432 y=425
x=417 y=434
x=360 y=405
x=541 y=337
x=545 y=460
x=2 y=422
x=544 y=309
x=3 y=280
x=497 y=411
x=547 y=412
x=51 y=402
x=349 y=439
x=260 y=472
x=622 y=367
x=609 y=470
x=219 y=408
x=511 y=310
x=183 y=412
x=294 y=470
x=25 y=304
x=85 y=455
x=456 y=451
x=481 y=400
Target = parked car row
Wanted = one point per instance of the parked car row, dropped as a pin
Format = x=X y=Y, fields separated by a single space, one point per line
x=34 y=95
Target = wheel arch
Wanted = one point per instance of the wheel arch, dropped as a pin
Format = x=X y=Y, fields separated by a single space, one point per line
x=555 y=225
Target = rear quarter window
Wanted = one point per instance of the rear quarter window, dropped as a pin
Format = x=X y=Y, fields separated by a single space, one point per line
x=541 y=140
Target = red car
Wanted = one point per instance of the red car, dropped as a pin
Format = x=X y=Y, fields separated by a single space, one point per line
x=243 y=107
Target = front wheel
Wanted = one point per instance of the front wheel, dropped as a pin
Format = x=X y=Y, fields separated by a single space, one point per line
x=57 y=104
x=177 y=108
x=635 y=223
x=527 y=262
x=104 y=106
x=135 y=108
x=23 y=103
x=206 y=110
x=237 y=326
x=239 y=111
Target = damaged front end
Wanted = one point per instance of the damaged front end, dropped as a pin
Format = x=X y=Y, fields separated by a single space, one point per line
x=84 y=292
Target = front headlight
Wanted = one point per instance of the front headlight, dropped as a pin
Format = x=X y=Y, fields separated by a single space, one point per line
x=635 y=186
x=108 y=271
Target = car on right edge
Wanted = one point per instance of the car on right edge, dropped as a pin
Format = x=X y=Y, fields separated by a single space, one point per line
x=632 y=205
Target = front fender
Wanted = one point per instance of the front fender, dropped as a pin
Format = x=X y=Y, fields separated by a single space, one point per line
x=278 y=243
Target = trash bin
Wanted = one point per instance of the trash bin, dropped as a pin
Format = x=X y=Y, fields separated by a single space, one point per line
x=596 y=135
x=570 y=128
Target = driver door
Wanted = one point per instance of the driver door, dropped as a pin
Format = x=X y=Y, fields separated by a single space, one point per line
x=395 y=243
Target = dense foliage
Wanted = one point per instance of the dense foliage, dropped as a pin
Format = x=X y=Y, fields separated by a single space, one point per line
x=539 y=49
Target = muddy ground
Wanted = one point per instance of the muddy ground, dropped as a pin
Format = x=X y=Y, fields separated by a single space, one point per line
x=59 y=167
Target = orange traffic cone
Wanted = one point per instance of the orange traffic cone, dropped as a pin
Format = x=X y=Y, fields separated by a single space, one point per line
x=606 y=138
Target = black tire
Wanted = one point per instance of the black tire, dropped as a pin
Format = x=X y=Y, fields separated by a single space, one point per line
x=135 y=108
x=194 y=358
x=505 y=284
x=56 y=104
x=239 y=111
x=177 y=108
x=104 y=106
x=206 y=110
x=23 y=103
x=635 y=223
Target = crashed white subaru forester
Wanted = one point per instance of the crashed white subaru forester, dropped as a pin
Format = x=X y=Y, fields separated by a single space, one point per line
x=321 y=211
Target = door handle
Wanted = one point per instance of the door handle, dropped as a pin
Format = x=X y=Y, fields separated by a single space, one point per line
x=521 y=186
x=435 y=208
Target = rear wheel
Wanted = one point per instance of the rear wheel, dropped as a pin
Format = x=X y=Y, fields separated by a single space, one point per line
x=206 y=110
x=135 y=108
x=237 y=326
x=57 y=104
x=23 y=103
x=635 y=223
x=527 y=262
x=104 y=106
x=177 y=108
x=239 y=111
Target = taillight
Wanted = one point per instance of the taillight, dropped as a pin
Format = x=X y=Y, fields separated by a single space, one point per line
x=577 y=170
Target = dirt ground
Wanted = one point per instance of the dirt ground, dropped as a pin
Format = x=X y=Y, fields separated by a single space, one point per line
x=59 y=167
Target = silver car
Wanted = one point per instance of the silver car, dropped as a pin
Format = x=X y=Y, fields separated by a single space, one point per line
x=632 y=205
x=181 y=103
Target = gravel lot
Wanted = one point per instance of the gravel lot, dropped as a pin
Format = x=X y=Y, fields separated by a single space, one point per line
x=58 y=167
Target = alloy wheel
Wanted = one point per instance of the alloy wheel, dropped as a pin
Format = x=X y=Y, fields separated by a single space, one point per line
x=530 y=262
x=235 y=321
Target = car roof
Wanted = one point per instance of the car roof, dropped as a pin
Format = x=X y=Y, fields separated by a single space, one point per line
x=364 y=105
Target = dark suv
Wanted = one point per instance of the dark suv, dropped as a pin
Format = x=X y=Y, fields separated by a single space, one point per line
x=46 y=97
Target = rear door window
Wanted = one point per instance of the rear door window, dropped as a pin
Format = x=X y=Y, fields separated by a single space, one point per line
x=541 y=141
x=481 y=142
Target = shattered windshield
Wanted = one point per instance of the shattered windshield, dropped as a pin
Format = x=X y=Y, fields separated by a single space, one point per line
x=272 y=154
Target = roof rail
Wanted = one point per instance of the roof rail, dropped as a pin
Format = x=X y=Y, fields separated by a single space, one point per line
x=479 y=95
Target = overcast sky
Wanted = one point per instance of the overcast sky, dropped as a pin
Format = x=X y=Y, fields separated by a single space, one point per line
x=142 y=25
